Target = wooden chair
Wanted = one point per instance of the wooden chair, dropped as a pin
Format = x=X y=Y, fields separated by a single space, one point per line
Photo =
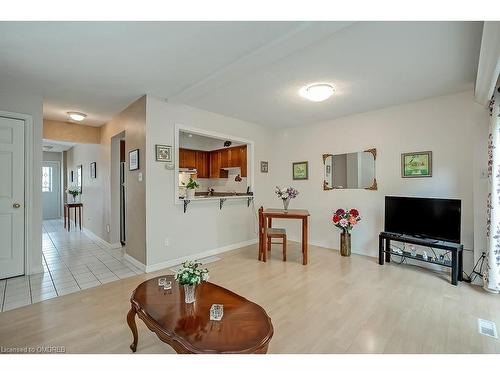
x=271 y=233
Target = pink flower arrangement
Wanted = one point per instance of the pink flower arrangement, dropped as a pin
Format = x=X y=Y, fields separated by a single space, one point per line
x=346 y=219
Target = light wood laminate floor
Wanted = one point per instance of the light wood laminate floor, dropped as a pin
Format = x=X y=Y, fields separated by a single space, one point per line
x=332 y=305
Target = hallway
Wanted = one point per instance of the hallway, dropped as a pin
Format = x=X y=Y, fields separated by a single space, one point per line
x=72 y=261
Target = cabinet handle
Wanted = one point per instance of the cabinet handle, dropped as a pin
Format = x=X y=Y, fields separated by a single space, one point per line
x=16 y=205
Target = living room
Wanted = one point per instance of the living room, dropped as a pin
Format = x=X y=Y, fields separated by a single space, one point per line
x=247 y=176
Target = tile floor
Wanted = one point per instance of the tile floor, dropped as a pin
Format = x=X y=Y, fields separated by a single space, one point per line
x=72 y=261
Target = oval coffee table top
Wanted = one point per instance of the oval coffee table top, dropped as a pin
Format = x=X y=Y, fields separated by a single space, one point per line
x=244 y=328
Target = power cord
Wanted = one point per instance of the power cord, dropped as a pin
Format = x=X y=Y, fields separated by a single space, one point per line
x=469 y=278
x=474 y=274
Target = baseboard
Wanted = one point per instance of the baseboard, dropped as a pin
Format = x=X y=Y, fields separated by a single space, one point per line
x=203 y=254
x=101 y=241
x=135 y=262
x=35 y=269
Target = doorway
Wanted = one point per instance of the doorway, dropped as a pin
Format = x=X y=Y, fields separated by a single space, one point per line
x=122 y=192
x=51 y=189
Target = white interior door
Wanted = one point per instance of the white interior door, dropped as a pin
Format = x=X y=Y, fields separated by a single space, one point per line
x=51 y=189
x=11 y=197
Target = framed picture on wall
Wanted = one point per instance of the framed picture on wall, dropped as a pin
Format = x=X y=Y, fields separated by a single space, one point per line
x=93 y=170
x=79 y=178
x=416 y=164
x=300 y=170
x=163 y=153
x=133 y=160
x=264 y=167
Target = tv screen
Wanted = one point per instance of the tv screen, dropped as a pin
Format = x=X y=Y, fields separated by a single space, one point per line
x=432 y=218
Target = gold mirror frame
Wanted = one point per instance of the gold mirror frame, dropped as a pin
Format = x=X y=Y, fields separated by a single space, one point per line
x=374 y=185
x=325 y=184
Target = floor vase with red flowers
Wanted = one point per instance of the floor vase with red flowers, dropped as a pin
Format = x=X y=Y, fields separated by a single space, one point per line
x=345 y=220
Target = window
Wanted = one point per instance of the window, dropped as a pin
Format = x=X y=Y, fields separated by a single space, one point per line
x=46 y=179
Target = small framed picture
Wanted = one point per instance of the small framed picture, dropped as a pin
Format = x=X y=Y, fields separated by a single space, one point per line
x=163 y=153
x=79 y=178
x=93 y=170
x=133 y=160
x=300 y=170
x=416 y=164
x=264 y=167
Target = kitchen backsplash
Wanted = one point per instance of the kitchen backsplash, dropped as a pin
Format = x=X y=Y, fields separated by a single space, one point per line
x=222 y=185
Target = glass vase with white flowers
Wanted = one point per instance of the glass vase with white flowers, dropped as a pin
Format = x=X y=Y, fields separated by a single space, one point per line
x=191 y=275
x=74 y=191
x=286 y=194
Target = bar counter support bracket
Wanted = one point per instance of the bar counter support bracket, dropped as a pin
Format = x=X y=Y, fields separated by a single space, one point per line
x=221 y=203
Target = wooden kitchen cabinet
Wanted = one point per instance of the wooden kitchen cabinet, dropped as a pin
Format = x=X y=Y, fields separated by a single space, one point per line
x=243 y=160
x=215 y=164
x=210 y=164
x=187 y=158
x=234 y=157
x=202 y=164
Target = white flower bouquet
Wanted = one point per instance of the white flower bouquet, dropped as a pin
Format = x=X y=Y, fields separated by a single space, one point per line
x=191 y=274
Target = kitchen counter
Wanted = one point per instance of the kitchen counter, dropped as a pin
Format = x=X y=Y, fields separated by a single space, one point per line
x=215 y=196
x=221 y=197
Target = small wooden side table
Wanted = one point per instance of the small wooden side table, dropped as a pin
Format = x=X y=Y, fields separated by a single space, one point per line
x=273 y=213
x=67 y=214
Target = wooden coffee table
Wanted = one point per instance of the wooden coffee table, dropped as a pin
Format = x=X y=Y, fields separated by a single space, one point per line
x=187 y=328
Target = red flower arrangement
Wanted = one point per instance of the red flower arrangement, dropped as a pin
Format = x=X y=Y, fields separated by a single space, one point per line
x=346 y=219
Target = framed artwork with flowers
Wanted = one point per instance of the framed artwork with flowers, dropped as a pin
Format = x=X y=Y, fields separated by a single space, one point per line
x=300 y=170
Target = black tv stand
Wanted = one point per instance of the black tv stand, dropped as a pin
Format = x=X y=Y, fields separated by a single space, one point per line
x=456 y=263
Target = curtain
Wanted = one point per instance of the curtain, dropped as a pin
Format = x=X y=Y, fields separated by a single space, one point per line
x=491 y=278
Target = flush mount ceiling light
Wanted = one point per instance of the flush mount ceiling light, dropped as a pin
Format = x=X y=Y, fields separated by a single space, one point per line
x=77 y=116
x=317 y=92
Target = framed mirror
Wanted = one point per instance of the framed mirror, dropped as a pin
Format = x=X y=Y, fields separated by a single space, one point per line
x=355 y=170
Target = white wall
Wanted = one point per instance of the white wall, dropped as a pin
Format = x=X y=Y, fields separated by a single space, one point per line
x=453 y=127
x=27 y=103
x=204 y=227
x=92 y=189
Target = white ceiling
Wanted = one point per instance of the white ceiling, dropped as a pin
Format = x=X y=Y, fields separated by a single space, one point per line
x=56 y=146
x=248 y=70
x=202 y=142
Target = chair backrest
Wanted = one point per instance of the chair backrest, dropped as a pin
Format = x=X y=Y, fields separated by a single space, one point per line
x=261 y=218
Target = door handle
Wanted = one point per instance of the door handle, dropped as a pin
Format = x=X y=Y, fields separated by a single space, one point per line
x=16 y=205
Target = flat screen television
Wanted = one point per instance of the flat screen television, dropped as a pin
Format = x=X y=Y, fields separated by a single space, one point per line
x=433 y=218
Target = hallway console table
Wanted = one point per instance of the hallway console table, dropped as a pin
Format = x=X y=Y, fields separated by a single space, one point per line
x=67 y=214
x=456 y=263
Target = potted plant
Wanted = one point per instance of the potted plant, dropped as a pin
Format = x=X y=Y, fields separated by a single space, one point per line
x=345 y=220
x=285 y=194
x=74 y=191
x=190 y=188
x=190 y=275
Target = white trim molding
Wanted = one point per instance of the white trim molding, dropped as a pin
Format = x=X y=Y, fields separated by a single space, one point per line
x=208 y=133
x=29 y=168
x=203 y=254
x=489 y=63
x=98 y=239
x=135 y=262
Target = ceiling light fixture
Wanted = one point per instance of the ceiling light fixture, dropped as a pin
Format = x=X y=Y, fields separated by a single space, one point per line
x=77 y=116
x=317 y=92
